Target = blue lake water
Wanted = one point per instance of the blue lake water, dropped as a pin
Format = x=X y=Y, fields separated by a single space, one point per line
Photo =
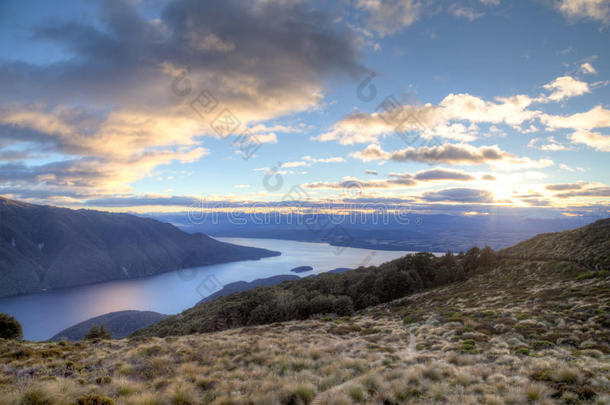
x=44 y=314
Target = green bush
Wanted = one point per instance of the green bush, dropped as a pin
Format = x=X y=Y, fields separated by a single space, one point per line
x=10 y=328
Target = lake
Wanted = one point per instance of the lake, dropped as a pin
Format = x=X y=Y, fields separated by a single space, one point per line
x=42 y=315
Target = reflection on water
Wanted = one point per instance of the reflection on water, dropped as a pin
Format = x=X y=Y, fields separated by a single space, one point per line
x=43 y=315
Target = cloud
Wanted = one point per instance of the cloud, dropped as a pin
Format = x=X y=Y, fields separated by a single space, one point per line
x=587 y=68
x=396 y=180
x=457 y=116
x=509 y=110
x=308 y=161
x=490 y=2
x=565 y=87
x=89 y=176
x=594 y=140
x=442 y=174
x=590 y=192
x=463 y=195
x=550 y=144
x=570 y=169
x=597 y=117
x=464 y=12
x=387 y=17
x=565 y=186
x=373 y=172
x=584 y=9
x=488 y=177
x=460 y=155
x=140 y=80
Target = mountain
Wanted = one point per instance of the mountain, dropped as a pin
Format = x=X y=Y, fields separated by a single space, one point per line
x=44 y=247
x=383 y=231
x=240 y=286
x=119 y=324
x=516 y=330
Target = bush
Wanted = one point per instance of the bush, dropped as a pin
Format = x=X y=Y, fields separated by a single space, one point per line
x=95 y=333
x=10 y=328
x=93 y=399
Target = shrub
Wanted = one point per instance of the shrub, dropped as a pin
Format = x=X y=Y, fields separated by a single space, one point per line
x=36 y=396
x=301 y=394
x=93 y=399
x=523 y=351
x=95 y=333
x=10 y=328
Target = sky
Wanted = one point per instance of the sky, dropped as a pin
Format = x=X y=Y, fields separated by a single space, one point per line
x=467 y=107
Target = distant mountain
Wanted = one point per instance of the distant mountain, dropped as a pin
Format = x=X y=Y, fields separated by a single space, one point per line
x=44 y=247
x=589 y=245
x=240 y=286
x=410 y=232
x=119 y=324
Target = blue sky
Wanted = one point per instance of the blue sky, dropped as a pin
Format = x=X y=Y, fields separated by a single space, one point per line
x=507 y=103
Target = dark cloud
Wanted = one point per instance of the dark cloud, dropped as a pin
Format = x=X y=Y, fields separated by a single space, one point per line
x=590 y=192
x=464 y=195
x=122 y=95
x=453 y=154
x=229 y=46
x=565 y=186
x=443 y=174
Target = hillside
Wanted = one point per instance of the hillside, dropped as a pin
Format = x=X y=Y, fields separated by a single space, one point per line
x=43 y=247
x=119 y=324
x=518 y=332
x=589 y=245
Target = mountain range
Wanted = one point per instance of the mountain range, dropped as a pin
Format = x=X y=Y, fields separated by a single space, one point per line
x=45 y=247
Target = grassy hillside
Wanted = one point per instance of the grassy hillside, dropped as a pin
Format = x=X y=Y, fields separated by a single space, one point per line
x=520 y=332
x=43 y=247
x=589 y=245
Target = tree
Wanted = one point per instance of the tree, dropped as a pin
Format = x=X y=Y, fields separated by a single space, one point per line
x=104 y=334
x=94 y=333
x=10 y=328
x=98 y=333
x=487 y=257
x=343 y=305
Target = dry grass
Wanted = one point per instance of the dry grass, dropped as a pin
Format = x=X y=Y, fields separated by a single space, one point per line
x=520 y=335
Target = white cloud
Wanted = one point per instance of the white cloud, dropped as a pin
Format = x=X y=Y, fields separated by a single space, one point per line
x=570 y=168
x=587 y=68
x=587 y=9
x=509 y=110
x=566 y=87
x=548 y=144
x=594 y=140
x=597 y=117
